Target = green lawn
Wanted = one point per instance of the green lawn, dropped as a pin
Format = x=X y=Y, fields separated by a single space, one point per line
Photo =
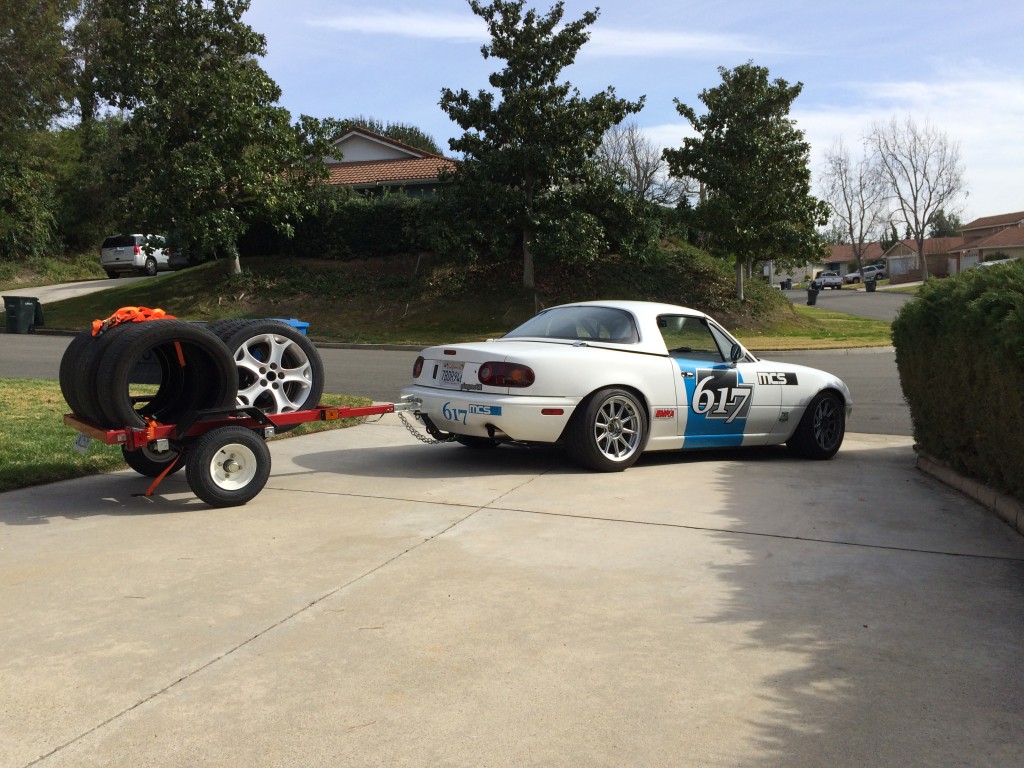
x=38 y=448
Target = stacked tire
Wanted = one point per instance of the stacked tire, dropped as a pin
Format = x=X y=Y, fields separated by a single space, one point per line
x=165 y=370
x=157 y=370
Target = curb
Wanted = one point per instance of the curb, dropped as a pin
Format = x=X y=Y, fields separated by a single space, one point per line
x=1005 y=507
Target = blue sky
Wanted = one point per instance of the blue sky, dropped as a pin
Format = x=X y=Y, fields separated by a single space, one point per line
x=956 y=66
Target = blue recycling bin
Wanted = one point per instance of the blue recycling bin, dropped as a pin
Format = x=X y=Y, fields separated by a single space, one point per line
x=299 y=325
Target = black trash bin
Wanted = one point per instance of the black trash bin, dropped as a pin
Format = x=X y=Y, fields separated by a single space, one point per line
x=23 y=313
x=869 y=285
x=812 y=294
x=787 y=285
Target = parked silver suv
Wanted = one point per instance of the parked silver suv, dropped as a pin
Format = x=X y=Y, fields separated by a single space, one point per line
x=138 y=254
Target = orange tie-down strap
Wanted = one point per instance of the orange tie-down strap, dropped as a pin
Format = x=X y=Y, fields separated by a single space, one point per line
x=129 y=315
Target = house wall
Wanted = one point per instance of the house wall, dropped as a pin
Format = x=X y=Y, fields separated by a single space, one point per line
x=356 y=149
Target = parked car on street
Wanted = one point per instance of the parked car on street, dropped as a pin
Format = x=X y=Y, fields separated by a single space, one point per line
x=870 y=272
x=829 y=280
x=134 y=254
x=609 y=380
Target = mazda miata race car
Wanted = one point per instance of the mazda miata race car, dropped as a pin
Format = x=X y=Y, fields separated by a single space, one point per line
x=611 y=379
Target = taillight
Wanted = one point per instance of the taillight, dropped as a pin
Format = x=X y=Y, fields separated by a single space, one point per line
x=417 y=367
x=505 y=375
x=137 y=250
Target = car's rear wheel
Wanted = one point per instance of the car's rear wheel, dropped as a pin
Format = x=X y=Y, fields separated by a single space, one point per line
x=609 y=432
x=822 y=428
x=150 y=268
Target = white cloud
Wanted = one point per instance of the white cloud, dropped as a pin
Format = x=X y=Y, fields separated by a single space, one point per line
x=421 y=25
x=603 y=41
x=649 y=44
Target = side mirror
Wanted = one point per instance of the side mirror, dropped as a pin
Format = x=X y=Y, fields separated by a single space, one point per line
x=736 y=354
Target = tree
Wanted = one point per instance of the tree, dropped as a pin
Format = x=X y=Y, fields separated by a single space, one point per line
x=856 y=193
x=34 y=84
x=752 y=162
x=206 y=149
x=942 y=225
x=638 y=166
x=528 y=148
x=923 y=171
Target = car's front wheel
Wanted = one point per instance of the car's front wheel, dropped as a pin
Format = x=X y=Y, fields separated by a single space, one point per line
x=608 y=432
x=822 y=428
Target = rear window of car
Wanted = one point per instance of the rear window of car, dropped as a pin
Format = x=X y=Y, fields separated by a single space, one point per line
x=608 y=324
x=119 y=241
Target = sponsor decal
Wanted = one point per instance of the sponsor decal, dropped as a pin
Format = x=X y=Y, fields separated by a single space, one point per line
x=485 y=410
x=471 y=387
x=776 y=377
x=665 y=413
x=460 y=415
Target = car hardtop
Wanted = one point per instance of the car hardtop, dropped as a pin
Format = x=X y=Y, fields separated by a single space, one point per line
x=647 y=338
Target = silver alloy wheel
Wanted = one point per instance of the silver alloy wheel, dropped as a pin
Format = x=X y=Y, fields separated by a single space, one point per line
x=274 y=373
x=233 y=467
x=828 y=423
x=618 y=428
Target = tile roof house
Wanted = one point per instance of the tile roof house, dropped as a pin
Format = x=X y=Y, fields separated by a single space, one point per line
x=984 y=239
x=371 y=163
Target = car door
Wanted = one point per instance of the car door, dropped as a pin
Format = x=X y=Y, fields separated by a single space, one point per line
x=721 y=403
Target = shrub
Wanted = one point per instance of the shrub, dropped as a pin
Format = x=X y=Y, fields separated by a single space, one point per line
x=960 y=354
x=346 y=225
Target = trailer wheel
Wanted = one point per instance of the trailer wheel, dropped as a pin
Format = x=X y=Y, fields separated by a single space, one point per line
x=228 y=466
x=152 y=463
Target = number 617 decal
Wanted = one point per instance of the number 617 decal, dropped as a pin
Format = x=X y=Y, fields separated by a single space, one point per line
x=719 y=395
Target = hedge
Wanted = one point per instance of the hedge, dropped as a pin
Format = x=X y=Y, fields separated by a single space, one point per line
x=960 y=355
x=351 y=226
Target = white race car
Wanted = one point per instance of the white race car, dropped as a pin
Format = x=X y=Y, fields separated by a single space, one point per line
x=611 y=379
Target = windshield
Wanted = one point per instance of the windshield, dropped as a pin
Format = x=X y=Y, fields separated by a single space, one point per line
x=615 y=326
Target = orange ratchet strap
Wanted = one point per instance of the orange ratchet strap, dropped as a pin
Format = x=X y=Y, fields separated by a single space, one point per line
x=128 y=315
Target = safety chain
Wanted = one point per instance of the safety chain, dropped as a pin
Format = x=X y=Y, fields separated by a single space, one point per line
x=421 y=437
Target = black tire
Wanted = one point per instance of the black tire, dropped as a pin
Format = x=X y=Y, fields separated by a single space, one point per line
x=279 y=369
x=195 y=372
x=112 y=274
x=152 y=463
x=228 y=466
x=608 y=431
x=477 y=443
x=820 y=432
x=149 y=269
x=77 y=373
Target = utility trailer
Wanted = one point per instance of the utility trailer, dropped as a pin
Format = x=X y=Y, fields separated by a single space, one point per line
x=223 y=450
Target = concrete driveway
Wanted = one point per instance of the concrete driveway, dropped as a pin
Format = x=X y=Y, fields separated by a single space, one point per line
x=388 y=603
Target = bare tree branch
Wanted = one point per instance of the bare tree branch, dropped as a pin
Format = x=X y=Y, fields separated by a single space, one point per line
x=923 y=171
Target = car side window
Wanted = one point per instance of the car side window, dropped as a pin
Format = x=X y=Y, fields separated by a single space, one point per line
x=689 y=337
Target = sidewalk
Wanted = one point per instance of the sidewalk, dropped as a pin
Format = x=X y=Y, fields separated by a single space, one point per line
x=383 y=602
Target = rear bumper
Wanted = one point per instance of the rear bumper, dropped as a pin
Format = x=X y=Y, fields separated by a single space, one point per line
x=525 y=419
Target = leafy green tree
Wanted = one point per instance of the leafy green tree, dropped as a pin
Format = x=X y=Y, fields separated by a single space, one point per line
x=35 y=82
x=943 y=225
x=528 y=145
x=752 y=164
x=206 y=149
